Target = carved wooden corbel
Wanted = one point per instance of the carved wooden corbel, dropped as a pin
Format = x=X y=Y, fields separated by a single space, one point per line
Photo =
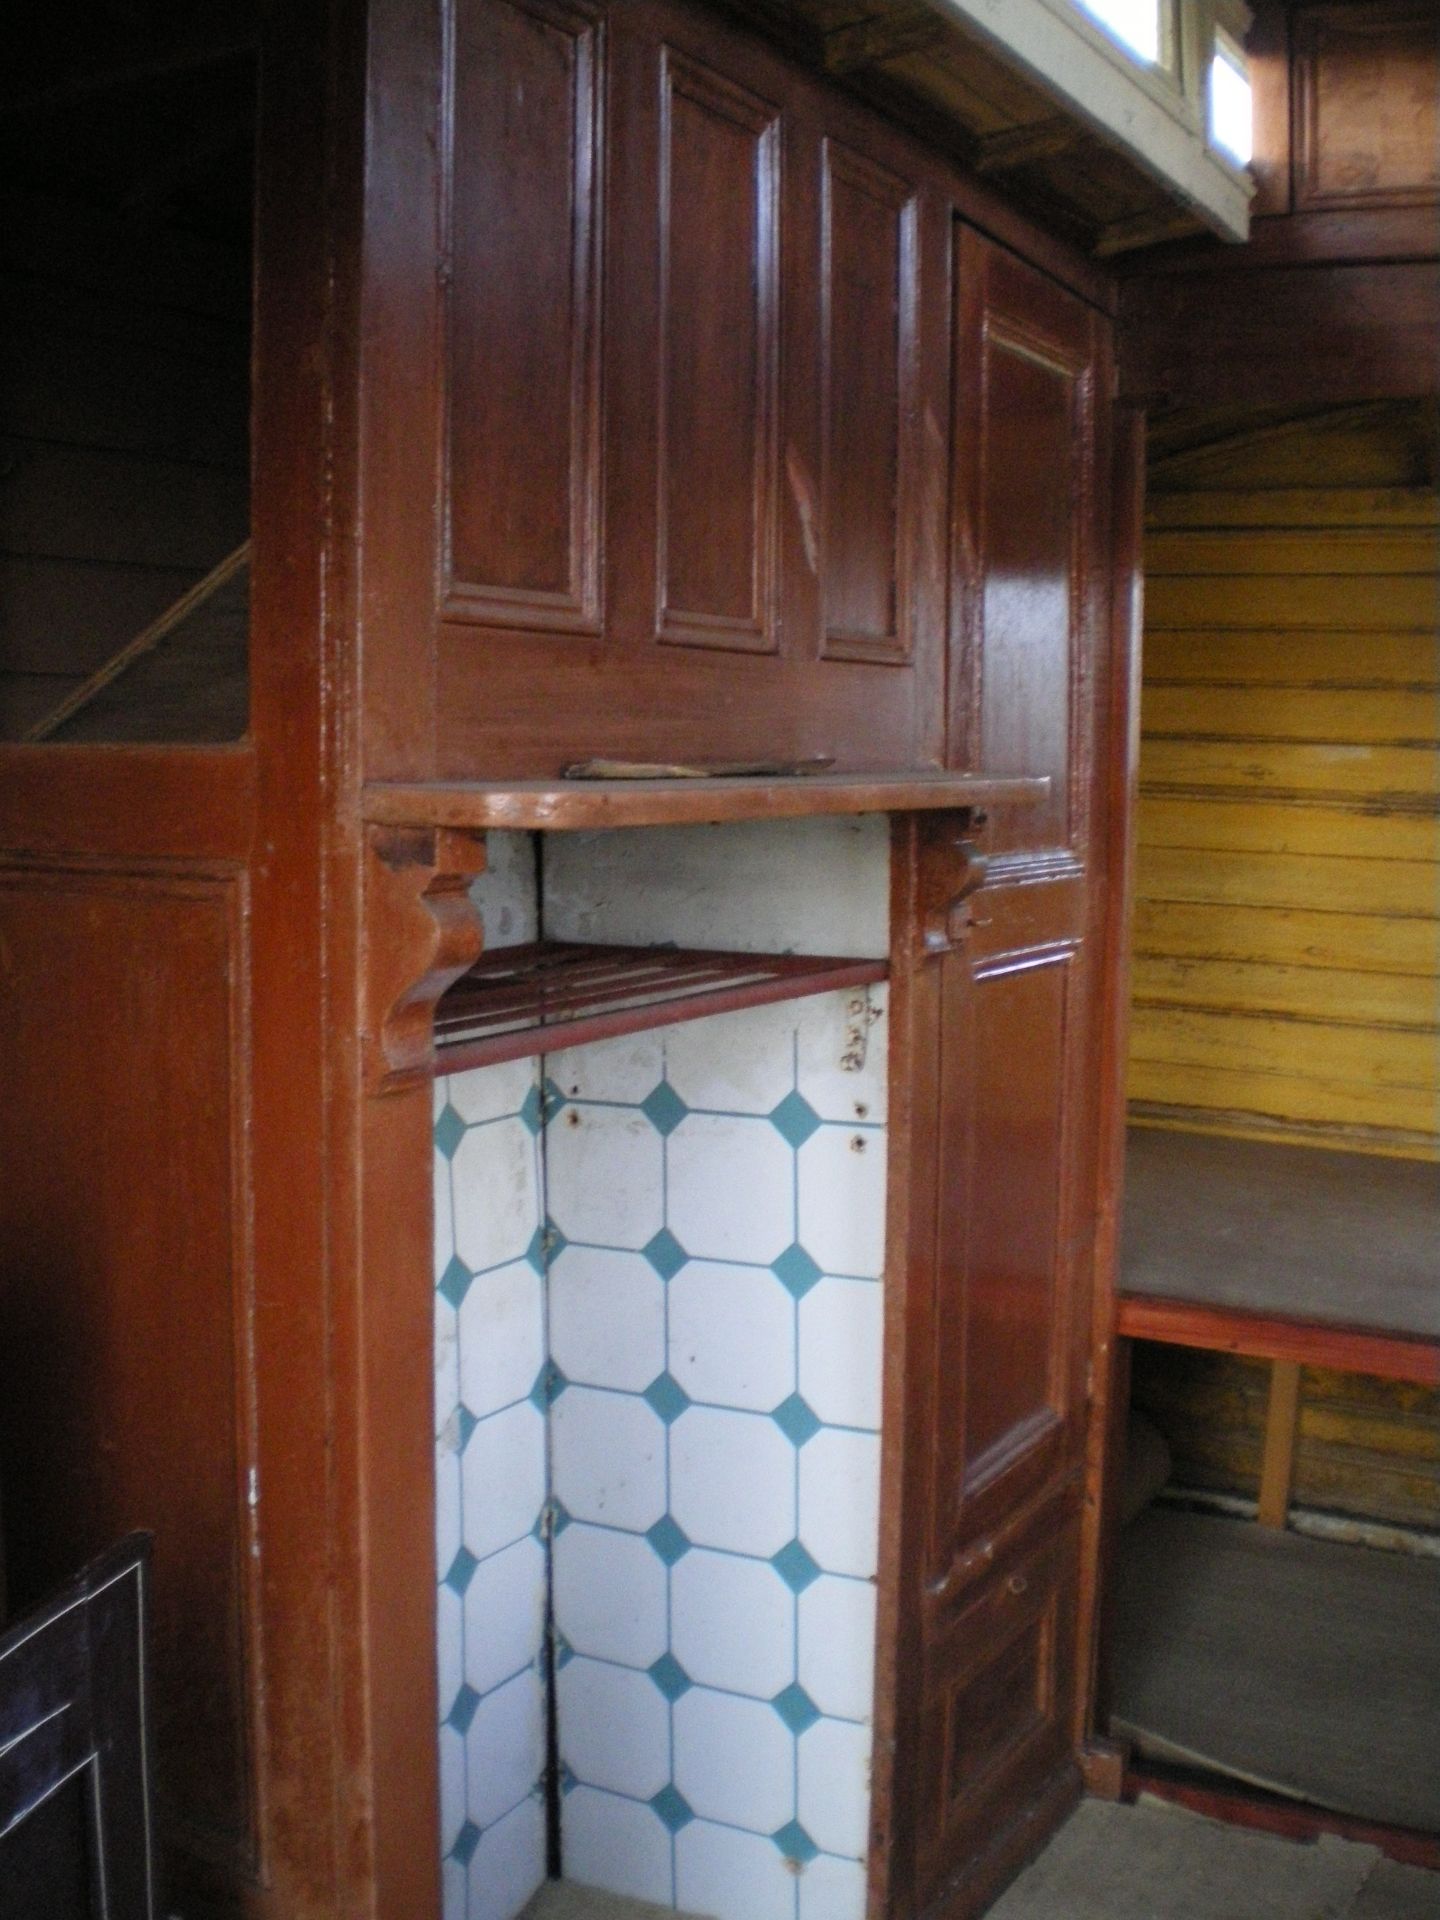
x=952 y=869
x=422 y=931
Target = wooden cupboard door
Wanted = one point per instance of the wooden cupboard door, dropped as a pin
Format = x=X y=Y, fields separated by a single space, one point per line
x=998 y=1019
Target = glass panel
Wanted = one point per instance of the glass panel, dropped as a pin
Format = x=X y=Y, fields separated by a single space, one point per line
x=1231 y=106
x=1134 y=23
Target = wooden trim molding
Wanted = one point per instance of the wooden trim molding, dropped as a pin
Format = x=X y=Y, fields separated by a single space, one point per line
x=423 y=932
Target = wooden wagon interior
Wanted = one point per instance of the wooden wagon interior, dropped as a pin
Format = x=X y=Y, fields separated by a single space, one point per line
x=718 y=861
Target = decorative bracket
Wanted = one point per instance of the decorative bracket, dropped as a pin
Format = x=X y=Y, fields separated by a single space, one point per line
x=422 y=931
x=953 y=869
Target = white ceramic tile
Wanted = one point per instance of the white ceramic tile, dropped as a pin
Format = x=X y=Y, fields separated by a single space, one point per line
x=610 y=1595
x=834 y=1777
x=840 y=1501
x=732 y=1481
x=842 y=1200
x=837 y=1645
x=617 y=1845
x=507 y=893
x=452 y=1783
x=841 y=1340
x=732 y=1876
x=623 y=1070
x=843 y=1054
x=832 y=1889
x=449 y=1644
x=608 y=1458
x=497 y=1193
x=505 y=1614
x=736 y=1062
x=607 y=1318
x=731 y=1189
x=505 y=1747
x=614 y=1727
x=444 y=1214
x=503 y=1477
x=439 y=1095
x=732 y=1335
x=449 y=1503
x=509 y=1864
x=733 y=1623
x=605 y=1176
x=490 y=1093
x=734 y=1760
x=454 y=1891
x=502 y=1337
x=447 y=1360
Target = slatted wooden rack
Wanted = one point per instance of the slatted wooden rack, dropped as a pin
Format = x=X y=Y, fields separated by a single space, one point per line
x=549 y=994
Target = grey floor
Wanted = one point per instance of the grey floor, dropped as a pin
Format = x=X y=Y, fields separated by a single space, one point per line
x=1154 y=1862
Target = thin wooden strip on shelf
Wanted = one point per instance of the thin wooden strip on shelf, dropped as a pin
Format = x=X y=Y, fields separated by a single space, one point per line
x=555 y=805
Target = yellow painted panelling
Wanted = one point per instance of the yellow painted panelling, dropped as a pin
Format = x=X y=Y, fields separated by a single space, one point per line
x=1222 y=1039
x=1375 y=772
x=1386 y=1143
x=1277 y=826
x=1354 y=1114
x=1315 y=993
x=1386 y=888
x=1288 y=937
x=1308 y=657
x=1328 y=550
x=1385 y=602
x=1300 y=507
x=1377 y=716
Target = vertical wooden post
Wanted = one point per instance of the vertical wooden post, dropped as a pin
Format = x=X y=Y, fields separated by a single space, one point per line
x=1277 y=1463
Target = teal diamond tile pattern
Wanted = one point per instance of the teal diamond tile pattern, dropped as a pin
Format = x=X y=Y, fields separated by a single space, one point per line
x=727 y=1512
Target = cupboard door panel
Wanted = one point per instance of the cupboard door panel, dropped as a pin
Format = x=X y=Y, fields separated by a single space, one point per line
x=1004 y=1376
x=719 y=359
x=522 y=496
x=869 y=296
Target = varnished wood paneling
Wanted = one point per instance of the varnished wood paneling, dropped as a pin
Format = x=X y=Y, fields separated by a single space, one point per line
x=1287 y=929
x=125 y=1292
x=719 y=215
x=1366 y=90
x=869 y=294
x=522 y=525
x=1005 y=1395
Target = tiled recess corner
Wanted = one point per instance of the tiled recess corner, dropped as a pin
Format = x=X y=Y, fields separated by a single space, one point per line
x=492 y=1481
x=690 y=1264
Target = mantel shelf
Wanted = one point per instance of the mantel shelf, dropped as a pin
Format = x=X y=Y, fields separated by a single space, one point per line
x=520 y=1001
x=527 y=805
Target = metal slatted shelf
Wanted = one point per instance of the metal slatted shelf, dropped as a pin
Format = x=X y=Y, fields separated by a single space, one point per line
x=552 y=993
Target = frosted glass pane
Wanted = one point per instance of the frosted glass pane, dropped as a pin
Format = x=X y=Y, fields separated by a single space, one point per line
x=1231 y=124
x=1134 y=23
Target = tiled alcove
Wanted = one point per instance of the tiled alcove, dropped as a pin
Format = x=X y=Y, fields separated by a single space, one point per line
x=658 y=1366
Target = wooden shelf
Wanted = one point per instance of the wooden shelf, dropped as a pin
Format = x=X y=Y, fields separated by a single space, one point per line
x=557 y=805
x=533 y=999
x=1282 y=1253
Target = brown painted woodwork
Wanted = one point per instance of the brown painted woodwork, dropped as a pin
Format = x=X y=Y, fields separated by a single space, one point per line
x=1366 y=105
x=123 y=1139
x=1336 y=298
x=1277 y=1470
x=522 y=535
x=994 y=1021
x=557 y=806
x=1313 y=1343
x=679 y=432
